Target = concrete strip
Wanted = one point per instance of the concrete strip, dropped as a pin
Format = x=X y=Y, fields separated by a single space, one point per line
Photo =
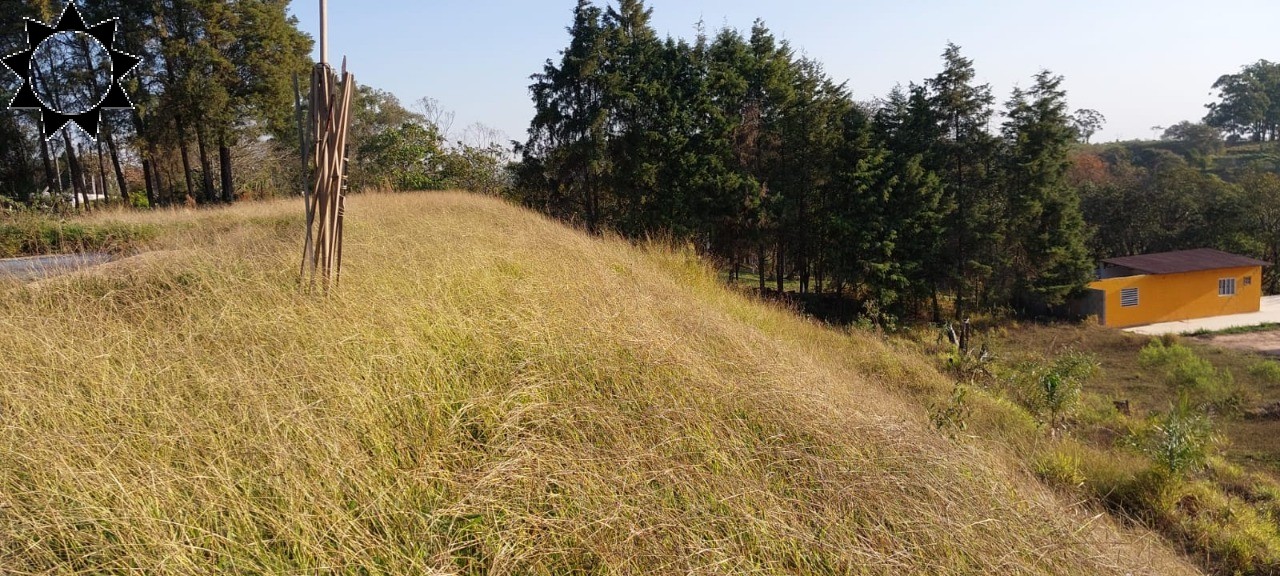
x=1269 y=314
x=34 y=267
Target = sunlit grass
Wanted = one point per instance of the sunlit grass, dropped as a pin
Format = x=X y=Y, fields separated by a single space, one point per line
x=487 y=392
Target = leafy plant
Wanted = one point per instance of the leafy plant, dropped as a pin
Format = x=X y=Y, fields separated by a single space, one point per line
x=1190 y=376
x=952 y=416
x=1178 y=440
x=1061 y=469
x=1268 y=370
x=1052 y=391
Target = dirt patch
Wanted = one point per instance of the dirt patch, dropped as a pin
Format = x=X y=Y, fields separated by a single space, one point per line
x=1268 y=412
x=1262 y=342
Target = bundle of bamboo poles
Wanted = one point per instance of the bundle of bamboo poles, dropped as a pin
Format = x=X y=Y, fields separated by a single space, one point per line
x=324 y=193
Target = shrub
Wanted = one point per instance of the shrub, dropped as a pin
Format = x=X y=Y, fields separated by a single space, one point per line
x=28 y=236
x=1060 y=468
x=1178 y=440
x=1267 y=370
x=1191 y=376
x=1052 y=391
x=951 y=417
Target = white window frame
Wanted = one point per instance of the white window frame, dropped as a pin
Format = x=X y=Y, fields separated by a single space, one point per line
x=1124 y=296
x=1226 y=287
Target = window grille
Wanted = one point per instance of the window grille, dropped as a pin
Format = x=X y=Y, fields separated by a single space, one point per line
x=1129 y=297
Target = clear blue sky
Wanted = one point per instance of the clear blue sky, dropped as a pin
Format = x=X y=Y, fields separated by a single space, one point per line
x=1142 y=63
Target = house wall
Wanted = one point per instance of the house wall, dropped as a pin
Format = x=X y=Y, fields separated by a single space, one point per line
x=1170 y=297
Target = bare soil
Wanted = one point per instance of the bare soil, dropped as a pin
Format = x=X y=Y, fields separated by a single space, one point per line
x=1262 y=342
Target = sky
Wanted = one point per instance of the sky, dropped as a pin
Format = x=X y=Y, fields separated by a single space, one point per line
x=1141 y=63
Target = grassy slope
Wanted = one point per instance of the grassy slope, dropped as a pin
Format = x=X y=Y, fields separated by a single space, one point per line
x=488 y=392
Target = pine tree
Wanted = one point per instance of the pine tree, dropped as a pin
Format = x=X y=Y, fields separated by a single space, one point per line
x=1047 y=260
x=568 y=137
x=964 y=158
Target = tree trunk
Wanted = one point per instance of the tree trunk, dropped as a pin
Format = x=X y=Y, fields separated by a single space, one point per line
x=224 y=168
x=102 y=174
x=50 y=174
x=760 y=263
x=206 y=165
x=73 y=165
x=186 y=158
x=115 y=165
x=937 y=308
x=147 y=175
x=779 y=277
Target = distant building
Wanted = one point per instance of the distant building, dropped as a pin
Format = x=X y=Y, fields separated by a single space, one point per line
x=1171 y=286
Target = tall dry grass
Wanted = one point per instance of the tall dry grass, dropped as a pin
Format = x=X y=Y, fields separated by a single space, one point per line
x=487 y=392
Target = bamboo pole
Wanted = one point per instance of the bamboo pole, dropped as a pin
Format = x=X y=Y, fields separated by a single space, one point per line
x=326 y=202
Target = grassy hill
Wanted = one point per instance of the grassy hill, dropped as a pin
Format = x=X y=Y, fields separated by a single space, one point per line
x=487 y=392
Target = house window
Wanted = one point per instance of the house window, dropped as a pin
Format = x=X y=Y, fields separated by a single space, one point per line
x=1227 y=287
x=1248 y=280
x=1129 y=297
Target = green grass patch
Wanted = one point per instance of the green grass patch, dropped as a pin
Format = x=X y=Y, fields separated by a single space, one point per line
x=1182 y=457
x=32 y=236
x=1265 y=327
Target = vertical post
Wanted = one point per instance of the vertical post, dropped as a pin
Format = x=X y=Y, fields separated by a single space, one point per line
x=324 y=31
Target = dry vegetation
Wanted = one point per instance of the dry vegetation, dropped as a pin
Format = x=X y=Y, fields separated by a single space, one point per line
x=488 y=392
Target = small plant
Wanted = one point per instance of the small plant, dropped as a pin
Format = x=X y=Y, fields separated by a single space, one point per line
x=1267 y=370
x=1190 y=376
x=1052 y=391
x=1060 y=469
x=1178 y=441
x=951 y=417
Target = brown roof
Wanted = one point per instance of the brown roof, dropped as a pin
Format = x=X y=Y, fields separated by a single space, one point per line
x=1184 y=261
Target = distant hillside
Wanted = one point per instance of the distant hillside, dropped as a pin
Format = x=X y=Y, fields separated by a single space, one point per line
x=488 y=392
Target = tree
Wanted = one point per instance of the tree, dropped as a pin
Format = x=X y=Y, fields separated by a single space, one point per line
x=1198 y=142
x=964 y=158
x=1248 y=102
x=1047 y=261
x=408 y=157
x=566 y=159
x=1086 y=123
x=1262 y=209
x=908 y=126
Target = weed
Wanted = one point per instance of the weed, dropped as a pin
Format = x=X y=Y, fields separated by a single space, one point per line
x=952 y=416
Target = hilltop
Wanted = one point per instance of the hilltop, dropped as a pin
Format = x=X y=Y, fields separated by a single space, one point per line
x=488 y=391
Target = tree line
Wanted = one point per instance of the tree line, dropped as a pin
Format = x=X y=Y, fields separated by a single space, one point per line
x=213 y=74
x=215 y=115
x=754 y=152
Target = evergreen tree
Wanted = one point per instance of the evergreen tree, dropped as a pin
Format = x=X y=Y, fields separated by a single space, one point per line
x=1046 y=259
x=964 y=157
x=908 y=126
x=567 y=147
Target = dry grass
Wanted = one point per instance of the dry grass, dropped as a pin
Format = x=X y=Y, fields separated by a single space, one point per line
x=488 y=392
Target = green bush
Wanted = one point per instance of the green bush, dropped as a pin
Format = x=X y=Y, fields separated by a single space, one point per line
x=1178 y=441
x=1052 y=391
x=1060 y=468
x=1191 y=376
x=952 y=417
x=1267 y=370
x=29 y=236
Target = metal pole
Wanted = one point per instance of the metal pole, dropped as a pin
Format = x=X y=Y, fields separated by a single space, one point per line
x=324 y=31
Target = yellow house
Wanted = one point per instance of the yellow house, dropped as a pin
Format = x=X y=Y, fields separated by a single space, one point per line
x=1169 y=286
